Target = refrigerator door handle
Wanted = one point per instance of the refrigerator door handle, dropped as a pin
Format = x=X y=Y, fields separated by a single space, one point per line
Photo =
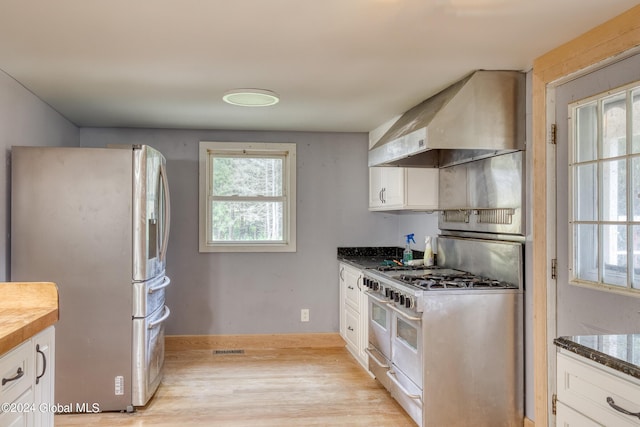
x=166 y=282
x=167 y=213
x=164 y=317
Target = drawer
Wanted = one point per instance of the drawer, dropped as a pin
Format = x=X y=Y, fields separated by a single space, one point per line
x=351 y=328
x=567 y=417
x=16 y=372
x=585 y=386
x=352 y=279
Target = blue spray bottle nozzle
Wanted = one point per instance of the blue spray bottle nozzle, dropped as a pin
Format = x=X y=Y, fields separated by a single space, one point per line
x=407 y=255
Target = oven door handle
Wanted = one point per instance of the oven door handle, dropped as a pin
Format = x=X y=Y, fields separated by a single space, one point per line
x=403 y=314
x=375 y=359
x=394 y=379
x=164 y=317
x=375 y=298
x=165 y=282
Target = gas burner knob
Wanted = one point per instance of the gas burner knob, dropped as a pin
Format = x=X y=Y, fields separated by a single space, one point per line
x=392 y=294
x=387 y=292
x=396 y=296
x=402 y=299
x=365 y=281
x=375 y=286
x=408 y=302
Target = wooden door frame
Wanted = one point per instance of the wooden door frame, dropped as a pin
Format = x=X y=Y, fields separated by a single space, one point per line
x=601 y=45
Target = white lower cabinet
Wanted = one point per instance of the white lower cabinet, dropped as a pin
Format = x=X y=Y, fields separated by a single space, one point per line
x=353 y=312
x=44 y=347
x=26 y=393
x=588 y=392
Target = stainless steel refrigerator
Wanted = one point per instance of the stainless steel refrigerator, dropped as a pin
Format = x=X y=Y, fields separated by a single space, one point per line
x=96 y=222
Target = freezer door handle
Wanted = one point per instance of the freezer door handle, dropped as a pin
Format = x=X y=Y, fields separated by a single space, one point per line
x=167 y=213
x=166 y=282
x=164 y=317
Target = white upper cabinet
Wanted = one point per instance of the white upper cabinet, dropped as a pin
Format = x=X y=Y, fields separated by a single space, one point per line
x=392 y=188
x=403 y=188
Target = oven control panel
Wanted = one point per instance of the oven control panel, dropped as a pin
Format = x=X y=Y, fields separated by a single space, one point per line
x=390 y=293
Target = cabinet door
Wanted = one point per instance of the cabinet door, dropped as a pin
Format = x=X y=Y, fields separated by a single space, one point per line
x=342 y=286
x=21 y=412
x=567 y=417
x=386 y=188
x=421 y=188
x=44 y=349
x=393 y=180
x=375 y=187
x=352 y=329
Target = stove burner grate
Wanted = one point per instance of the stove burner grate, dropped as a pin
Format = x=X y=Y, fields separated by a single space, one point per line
x=462 y=281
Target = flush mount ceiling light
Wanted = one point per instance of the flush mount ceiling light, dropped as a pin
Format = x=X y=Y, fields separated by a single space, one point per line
x=251 y=97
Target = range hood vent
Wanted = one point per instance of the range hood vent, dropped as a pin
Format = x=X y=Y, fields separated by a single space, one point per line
x=480 y=116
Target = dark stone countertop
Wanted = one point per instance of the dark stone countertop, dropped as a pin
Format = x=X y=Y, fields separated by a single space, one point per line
x=619 y=352
x=372 y=257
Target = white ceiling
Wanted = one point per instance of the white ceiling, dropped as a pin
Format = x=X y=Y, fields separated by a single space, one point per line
x=338 y=65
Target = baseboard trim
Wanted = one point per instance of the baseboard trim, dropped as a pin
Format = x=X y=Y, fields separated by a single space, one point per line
x=528 y=423
x=252 y=341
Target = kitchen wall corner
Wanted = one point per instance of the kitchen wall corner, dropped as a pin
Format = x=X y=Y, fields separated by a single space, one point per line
x=24 y=120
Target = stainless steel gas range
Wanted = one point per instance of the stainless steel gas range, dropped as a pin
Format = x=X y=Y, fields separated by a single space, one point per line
x=447 y=342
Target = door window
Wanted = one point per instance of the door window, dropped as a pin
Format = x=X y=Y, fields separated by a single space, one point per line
x=379 y=315
x=407 y=333
x=604 y=174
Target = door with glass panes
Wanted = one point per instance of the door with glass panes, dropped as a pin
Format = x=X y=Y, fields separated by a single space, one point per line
x=598 y=201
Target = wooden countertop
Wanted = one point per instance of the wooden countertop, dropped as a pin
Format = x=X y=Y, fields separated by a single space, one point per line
x=26 y=308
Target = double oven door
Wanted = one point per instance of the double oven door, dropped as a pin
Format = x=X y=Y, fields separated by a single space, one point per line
x=395 y=353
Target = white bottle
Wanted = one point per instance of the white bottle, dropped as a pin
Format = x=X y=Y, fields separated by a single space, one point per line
x=428 y=252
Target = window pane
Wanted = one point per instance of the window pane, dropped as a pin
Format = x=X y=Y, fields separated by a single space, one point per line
x=614 y=190
x=587 y=132
x=635 y=124
x=614 y=242
x=247 y=221
x=247 y=176
x=586 y=252
x=614 y=126
x=635 y=190
x=585 y=204
x=635 y=233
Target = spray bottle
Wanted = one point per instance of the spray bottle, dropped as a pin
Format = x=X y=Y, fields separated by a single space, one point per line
x=428 y=252
x=407 y=255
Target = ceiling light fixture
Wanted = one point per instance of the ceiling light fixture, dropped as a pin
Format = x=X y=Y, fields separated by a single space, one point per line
x=251 y=97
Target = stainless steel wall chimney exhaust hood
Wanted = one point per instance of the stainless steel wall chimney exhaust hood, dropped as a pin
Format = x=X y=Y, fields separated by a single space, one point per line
x=480 y=116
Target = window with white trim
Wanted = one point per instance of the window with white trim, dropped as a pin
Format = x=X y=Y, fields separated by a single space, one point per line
x=604 y=184
x=247 y=197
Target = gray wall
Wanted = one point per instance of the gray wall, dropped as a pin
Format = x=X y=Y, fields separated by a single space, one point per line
x=24 y=120
x=237 y=293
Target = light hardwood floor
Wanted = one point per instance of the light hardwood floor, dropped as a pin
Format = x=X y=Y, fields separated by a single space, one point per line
x=283 y=387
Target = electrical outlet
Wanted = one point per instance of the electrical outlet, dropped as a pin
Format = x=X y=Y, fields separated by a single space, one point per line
x=304 y=315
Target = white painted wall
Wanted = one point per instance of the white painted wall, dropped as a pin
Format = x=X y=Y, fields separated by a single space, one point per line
x=24 y=120
x=236 y=293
